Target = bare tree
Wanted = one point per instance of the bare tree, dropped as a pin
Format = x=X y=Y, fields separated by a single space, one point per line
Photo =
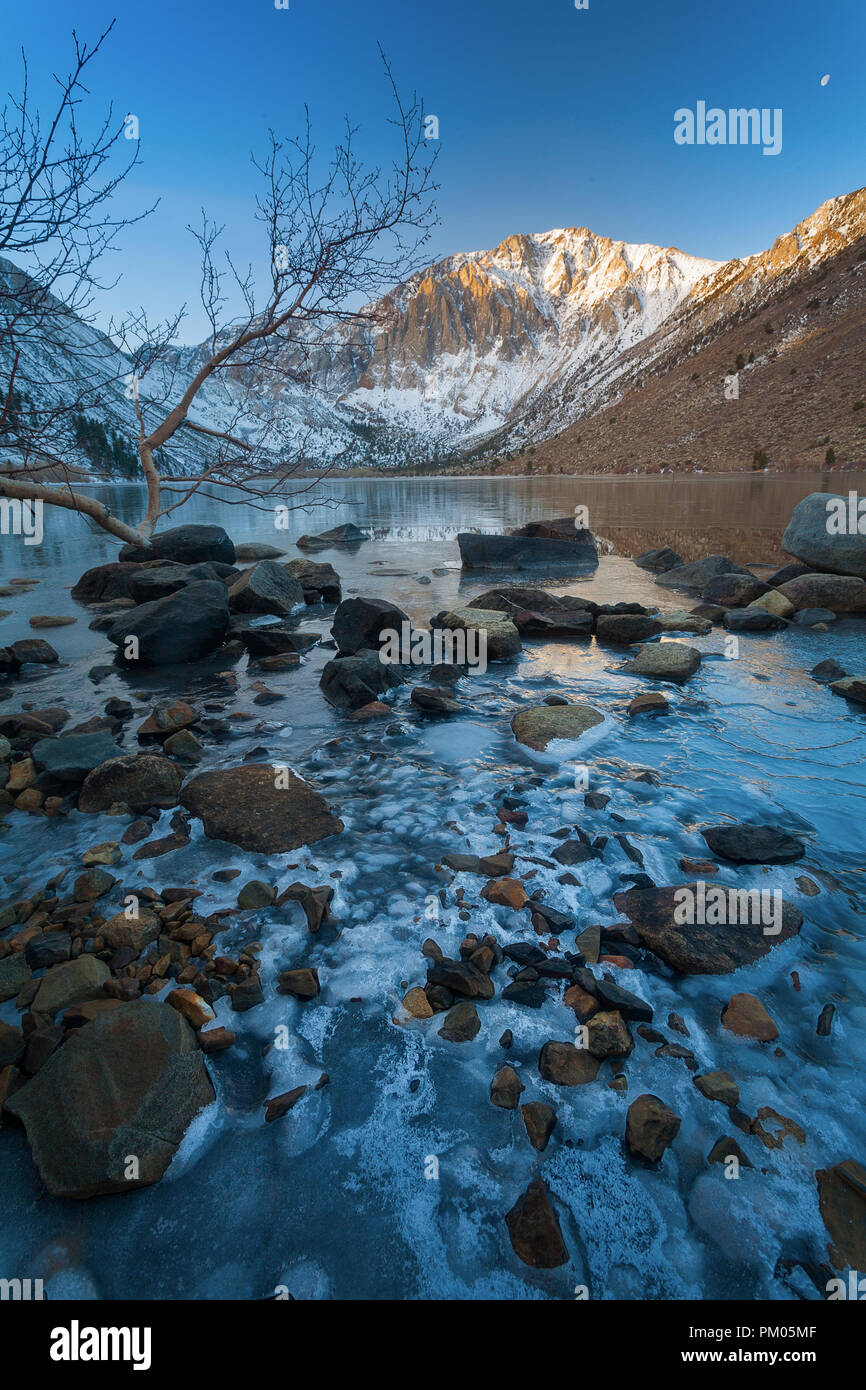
x=57 y=180
x=332 y=232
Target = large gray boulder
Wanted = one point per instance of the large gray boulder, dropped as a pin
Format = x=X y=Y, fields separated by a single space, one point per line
x=183 y=626
x=127 y=1084
x=534 y=612
x=811 y=535
x=554 y=544
x=71 y=758
x=840 y=593
x=266 y=588
x=360 y=622
x=350 y=682
x=188 y=545
x=699 y=573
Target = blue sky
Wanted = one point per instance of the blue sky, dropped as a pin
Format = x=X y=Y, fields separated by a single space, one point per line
x=549 y=116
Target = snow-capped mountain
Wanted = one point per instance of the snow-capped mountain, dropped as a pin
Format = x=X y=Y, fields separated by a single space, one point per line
x=487 y=354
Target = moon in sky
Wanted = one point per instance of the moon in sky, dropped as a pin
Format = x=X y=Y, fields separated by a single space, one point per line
x=825 y=79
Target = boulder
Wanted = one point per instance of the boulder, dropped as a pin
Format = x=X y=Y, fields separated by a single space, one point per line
x=69 y=982
x=851 y=687
x=811 y=535
x=567 y=1065
x=502 y=637
x=659 y=561
x=320 y=581
x=15 y=973
x=540 y=1121
x=534 y=1231
x=165 y=720
x=699 y=573
x=811 y=617
x=506 y=1088
x=752 y=620
x=651 y=1126
x=840 y=593
x=774 y=602
x=266 y=588
x=745 y=1016
x=183 y=626
x=130 y=1082
x=187 y=545
x=163 y=577
x=842 y=1202
x=263 y=809
x=346 y=535
x=540 y=725
x=256 y=550
x=562 y=547
x=536 y=613
x=461 y=1023
x=359 y=623
x=350 y=682
x=695 y=948
x=719 y=1086
x=792 y=571
x=681 y=621
x=625 y=628
x=71 y=758
x=33 y=651
x=136 y=780
x=754 y=844
x=105 y=582
x=665 y=661
x=733 y=590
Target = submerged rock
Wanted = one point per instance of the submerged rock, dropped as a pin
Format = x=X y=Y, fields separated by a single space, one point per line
x=651 y=1127
x=347 y=535
x=128 y=1083
x=842 y=1201
x=659 y=561
x=260 y=808
x=851 y=687
x=540 y=725
x=754 y=844
x=534 y=1231
x=660 y=917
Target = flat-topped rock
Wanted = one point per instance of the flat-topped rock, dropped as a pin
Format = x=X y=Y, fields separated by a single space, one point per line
x=540 y=725
x=665 y=661
x=503 y=638
x=261 y=808
x=660 y=917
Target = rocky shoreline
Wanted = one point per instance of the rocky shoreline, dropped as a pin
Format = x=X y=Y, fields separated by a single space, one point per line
x=121 y=988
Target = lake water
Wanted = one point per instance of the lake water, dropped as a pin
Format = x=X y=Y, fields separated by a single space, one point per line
x=333 y=1201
